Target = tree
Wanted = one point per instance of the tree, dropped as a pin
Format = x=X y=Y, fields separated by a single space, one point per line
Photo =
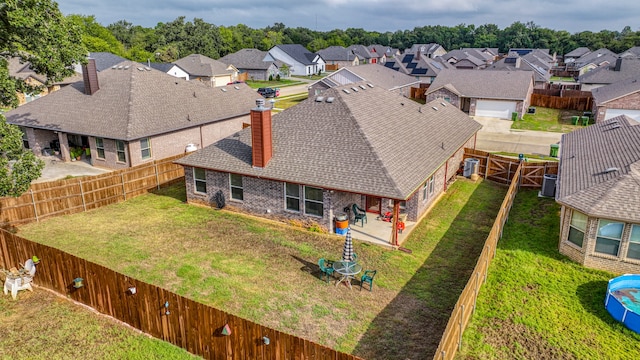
x=35 y=31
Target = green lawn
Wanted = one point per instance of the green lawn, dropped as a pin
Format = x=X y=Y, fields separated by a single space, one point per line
x=563 y=79
x=546 y=119
x=286 y=102
x=537 y=304
x=254 y=84
x=267 y=272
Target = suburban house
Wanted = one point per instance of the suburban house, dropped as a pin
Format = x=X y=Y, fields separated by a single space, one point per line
x=171 y=69
x=338 y=57
x=621 y=69
x=488 y=93
x=575 y=54
x=205 y=69
x=515 y=62
x=103 y=60
x=418 y=66
x=633 y=52
x=594 y=59
x=598 y=189
x=22 y=70
x=348 y=146
x=619 y=98
x=385 y=52
x=299 y=60
x=129 y=115
x=251 y=62
x=431 y=50
x=377 y=75
x=470 y=58
x=364 y=53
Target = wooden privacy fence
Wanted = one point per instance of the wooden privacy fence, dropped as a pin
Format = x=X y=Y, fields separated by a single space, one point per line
x=61 y=197
x=158 y=312
x=501 y=169
x=584 y=103
x=451 y=340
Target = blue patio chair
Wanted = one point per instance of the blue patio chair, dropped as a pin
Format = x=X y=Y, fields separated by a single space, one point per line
x=325 y=269
x=359 y=214
x=367 y=277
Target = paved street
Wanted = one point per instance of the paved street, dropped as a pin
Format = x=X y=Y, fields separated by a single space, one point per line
x=496 y=135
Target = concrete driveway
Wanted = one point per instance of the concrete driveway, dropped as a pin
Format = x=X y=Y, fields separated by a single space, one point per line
x=496 y=135
x=56 y=169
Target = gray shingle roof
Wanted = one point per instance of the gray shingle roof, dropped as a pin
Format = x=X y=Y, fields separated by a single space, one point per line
x=132 y=104
x=105 y=60
x=607 y=93
x=247 y=59
x=337 y=53
x=608 y=75
x=380 y=76
x=597 y=57
x=576 y=53
x=164 y=67
x=200 y=65
x=368 y=142
x=362 y=51
x=425 y=49
x=631 y=52
x=586 y=154
x=487 y=84
x=540 y=75
x=298 y=53
x=23 y=71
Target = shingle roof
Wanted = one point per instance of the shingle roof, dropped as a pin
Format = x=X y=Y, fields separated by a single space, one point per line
x=631 y=52
x=610 y=92
x=597 y=57
x=362 y=51
x=474 y=55
x=584 y=182
x=200 y=65
x=105 y=60
x=429 y=48
x=576 y=53
x=487 y=84
x=377 y=75
x=164 y=67
x=132 y=104
x=540 y=75
x=252 y=59
x=609 y=75
x=358 y=143
x=23 y=71
x=298 y=52
x=337 y=53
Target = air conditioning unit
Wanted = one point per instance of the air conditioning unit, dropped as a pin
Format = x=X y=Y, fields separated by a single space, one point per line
x=549 y=185
x=470 y=167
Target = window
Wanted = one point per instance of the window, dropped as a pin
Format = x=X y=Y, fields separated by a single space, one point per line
x=313 y=201
x=292 y=196
x=427 y=189
x=100 y=147
x=577 y=228
x=122 y=157
x=25 y=140
x=237 y=192
x=634 y=243
x=145 y=148
x=609 y=235
x=200 y=180
x=403 y=204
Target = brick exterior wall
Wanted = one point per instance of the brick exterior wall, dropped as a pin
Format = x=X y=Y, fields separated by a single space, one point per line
x=444 y=93
x=587 y=256
x=629 y=102
x=110 y=156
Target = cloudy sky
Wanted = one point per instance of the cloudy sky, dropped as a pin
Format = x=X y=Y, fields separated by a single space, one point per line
x=374 y=15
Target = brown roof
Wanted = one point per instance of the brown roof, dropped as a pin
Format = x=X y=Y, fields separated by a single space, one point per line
x=133 y=103
x=604 y=94
x=200 y=65
x=22 y=70
x=369 y=142
x=600 y=169
x=486 y=84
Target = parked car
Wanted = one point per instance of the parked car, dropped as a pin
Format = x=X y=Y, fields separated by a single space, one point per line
x=235 y=82
x=267 y=92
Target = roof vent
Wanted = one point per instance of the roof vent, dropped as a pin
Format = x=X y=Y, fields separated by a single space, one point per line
x=114 y=67
x=346 y=91
x=126 y=67
x=147 y=68
x=140 y=69
x=260 y=103
x=319 y=98
x=236 y=87
x=434 y=108
x=370 y=85
x=330 y=99
x=363 y=87
x=223 y=89
x=443 y=104
x=355 y=89
x=610 y=170
x=120 y=67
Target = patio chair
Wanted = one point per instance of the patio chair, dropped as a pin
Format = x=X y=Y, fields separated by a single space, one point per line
x=367 y=277
x=325 y=269
x=359 y=214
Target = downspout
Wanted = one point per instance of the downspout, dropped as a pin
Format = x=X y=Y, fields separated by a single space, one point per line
x=446 y=171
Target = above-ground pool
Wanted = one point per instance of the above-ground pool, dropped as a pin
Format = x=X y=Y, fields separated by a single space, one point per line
x=623 y=300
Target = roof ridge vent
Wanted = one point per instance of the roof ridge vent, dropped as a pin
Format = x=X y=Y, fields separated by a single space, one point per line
x=236 y=87
x=114 y=67
x=147 y=68
x=319 y=98
x=126 y=67
x=355 y=89
x=363 y=87
x=140 y=69
x=223 y=89
x=330 y=99
x=434 y=108
x=610 y=170
x=370 y=85
x=443 y=104
x=346 y=91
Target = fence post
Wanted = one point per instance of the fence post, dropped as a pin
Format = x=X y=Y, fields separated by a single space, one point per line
x=157 y=177
x=124 y=192
x=33 y=201
x=461 y=327
x=486 y=167
x=475 y=298
x=443 y=354
x=84 y=205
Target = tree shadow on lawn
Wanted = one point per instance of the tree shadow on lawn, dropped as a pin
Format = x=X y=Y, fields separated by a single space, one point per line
x=592 y=295
x=412 y=324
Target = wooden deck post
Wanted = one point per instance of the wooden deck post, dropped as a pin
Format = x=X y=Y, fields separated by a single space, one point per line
x=394 y=222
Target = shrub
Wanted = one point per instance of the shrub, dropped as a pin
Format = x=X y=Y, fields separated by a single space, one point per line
x=270 y=77
x=278 y=77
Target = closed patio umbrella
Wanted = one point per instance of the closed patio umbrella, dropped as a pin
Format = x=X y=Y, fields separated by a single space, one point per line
x=347 y=252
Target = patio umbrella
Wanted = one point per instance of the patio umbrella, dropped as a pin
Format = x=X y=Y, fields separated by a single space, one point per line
x=347 y=252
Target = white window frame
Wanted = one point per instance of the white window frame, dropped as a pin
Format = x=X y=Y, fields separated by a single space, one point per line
x=100 y=148
x=241 y=187
x=123 y=151
x=287 y=196
x=427 y=189
x=635 y=229
x=576 y=228
x=321 y=202
x=604 y=237
x=403 y=204
x=199 y=180
x=147 y=148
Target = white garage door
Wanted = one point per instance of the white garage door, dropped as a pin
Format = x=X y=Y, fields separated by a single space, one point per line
x=496 y=109
x=635 y=114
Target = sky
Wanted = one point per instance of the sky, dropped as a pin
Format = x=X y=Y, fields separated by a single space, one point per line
x=372 y=15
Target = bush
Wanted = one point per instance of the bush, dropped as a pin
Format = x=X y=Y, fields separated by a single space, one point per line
x=278 y=77
x=270 y=77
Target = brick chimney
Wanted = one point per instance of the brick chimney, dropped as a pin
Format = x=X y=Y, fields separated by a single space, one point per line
x=261 y=139
x=90 y=77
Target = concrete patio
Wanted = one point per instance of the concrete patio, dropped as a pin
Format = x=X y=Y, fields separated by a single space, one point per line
x=379 y=232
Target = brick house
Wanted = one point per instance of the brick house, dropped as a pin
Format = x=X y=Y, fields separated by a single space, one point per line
x=339 y=57
x=621 y=69
x=620 y=98
x=598 y=189
x=354 y=144
x=22 y=70
x=251 y=62
x=487 y=93
x=130 y=114
x=212 y=72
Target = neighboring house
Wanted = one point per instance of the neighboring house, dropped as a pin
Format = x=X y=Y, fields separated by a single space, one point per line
x=130 y=114
x=22 y=70
x=339 y=56
x=621 y=69
x=205 y=69
x=633 y=52
x=379 y=76
x=103 y=60
x=383 y=52
x=575 y=54
x=364 y=53
x=431 y=50
x=594 y=59
x=469 y=58
x=598 y=188
x=368 y=147
x=419 y=66
x=300 y=60
x=486 y=93
x=619 y=98
x=514 y=62
x=251 y=62
x=171 y=69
